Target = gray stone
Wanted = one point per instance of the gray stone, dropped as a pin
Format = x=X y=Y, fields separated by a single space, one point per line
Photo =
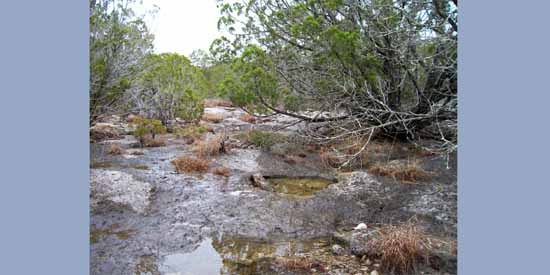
x=338 y=250
x=119 y=188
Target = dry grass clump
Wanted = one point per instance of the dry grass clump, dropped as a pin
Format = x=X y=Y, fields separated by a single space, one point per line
x=408 y=172
x=115 y=149
x=221 y=171
x=211 y=147
x=190 y=164
x=300 y=265
x=157 y=142
x=136 y=152
x=248 y=118
x=214 y=118
x=329 y=158
x=101 y=132
x=192 y=132
x=400 y=248
x=293 y=159
x=347 y=153
x=213 y=102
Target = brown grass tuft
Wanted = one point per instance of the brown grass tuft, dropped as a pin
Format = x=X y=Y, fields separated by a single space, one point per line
x=115 y=149
x=300 y=264
x=409 y=172
x=400 y=248
x=248 y=118
x=210 y=147
x=329 y=158
x=149 y=142
x=292 y=159
x=190 y=164
x=222 y=171
x=137 y=153
x=214 y=118
x=213 y=102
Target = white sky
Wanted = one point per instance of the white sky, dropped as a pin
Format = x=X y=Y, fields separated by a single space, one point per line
x=182 y=26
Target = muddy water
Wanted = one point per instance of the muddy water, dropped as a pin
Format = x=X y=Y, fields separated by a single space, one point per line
x=238 y=255
x=300 y=187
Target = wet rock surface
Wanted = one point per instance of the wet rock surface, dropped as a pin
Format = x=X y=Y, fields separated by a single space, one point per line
x=169 y=214
x=118 y=188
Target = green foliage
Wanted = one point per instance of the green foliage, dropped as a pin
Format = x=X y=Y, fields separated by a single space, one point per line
x=119 y=40
x=265 y=140
x=361 y=62
x=190 y=106
x=146 y=127
x=193 y=131
x=172 y=87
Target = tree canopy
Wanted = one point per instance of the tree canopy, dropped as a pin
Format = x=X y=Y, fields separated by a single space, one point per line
x=364 y=65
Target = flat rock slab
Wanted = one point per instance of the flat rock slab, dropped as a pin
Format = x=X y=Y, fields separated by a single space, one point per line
x=119 y=188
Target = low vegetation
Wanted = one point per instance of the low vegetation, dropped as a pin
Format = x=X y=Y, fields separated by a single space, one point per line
x=248 y=118
x=409 y=172
x=300 y=265
x=192 y=131
x=115 y=149
x=149 y=142
x=221 y=171
x=400 y=248
x=190 y=165
x=214 y=118
x=346 y=154
x=211 y=147
x=136 y=152
x=214 y=102
x=146 y=131
x=264 y=139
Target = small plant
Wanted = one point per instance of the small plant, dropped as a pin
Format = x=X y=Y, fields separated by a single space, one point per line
x=211 y=147
x=149 y=142
x=141 y=167
x=300 y=264
x=214 y=118
x=193 y=131
x=115 y=149
x=190 y=164
x=222 y=171
x=148 y=127
x=400 y=248
x=136 y=152
x=265 y=140
x=409 y=172
x=329 y=158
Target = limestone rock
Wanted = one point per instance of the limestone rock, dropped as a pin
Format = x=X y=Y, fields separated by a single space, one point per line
x=119 y=188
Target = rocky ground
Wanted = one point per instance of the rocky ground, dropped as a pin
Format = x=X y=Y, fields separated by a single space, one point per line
x=148 y=219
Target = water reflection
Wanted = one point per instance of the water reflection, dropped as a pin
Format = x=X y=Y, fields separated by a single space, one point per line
x=203 y=260
x=299 y=186
x=230 y=255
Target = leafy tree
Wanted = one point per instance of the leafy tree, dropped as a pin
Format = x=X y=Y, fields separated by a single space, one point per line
x=384 y=66
x=119 y=40
x=168 y=87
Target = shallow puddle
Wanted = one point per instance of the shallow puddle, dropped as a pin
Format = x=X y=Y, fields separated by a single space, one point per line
x=203 y=260
x=299 y=186
x=238 y=256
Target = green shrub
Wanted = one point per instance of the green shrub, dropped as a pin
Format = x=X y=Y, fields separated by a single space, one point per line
x=193 y=131
x=190 y=107
x=146 y=127
x=265 y=140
